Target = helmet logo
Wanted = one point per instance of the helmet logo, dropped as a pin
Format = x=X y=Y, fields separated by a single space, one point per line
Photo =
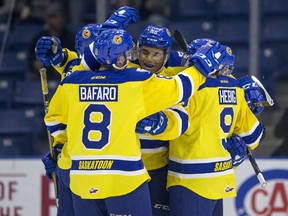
x=86 y=34
x=228 y=50
x=168 y=32
x=117 y=39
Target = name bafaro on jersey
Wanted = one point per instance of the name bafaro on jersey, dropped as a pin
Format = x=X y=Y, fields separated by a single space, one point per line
x=98 y=93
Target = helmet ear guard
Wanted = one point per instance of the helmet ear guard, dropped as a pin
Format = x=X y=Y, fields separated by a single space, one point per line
x=227 y=67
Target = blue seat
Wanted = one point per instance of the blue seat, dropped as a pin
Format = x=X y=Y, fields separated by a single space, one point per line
x=186 y=9
x=22 y=35
x=27 y=94
x=14 y=65
x=6 y=89
x=16 y=146
x=18 y=132
x=274 y=7
x=232 y=31
x=194 y=29
x=274 y=30
x=232 y=8
x=241 y=61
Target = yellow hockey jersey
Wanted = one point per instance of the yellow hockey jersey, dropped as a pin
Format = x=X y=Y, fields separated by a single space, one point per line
x=198 y=159
x=100 y=111
x=155 y=151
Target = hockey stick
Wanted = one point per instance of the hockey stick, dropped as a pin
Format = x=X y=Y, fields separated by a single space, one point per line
x=44 y=85
x=269 y=101
x=255 y=166
x=180 y=40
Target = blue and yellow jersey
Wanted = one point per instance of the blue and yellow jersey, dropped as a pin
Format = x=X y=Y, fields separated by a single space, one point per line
x=155 y=151
x=100 y=111
x=175 y=59
x=198 y=159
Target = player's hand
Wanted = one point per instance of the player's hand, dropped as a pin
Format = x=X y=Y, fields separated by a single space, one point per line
x=237 y=149
x=210 y=58
x=121 y=18
x=153 y=124
x=49 y=164
x=253 y=94
x=48 y=51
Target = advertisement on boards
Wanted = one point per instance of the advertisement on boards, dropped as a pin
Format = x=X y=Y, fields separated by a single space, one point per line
x=252 y=199
x=25 y=190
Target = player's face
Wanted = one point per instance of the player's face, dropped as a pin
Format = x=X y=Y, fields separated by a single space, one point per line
x=151 y=58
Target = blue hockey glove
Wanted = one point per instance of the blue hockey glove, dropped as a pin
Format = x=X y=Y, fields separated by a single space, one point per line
x=210 y=58
x=48 y=51
x=49 y=164
x=153 y=124
x=237 y=149
x=196 y=44
x=253 y=94
x=121 y=18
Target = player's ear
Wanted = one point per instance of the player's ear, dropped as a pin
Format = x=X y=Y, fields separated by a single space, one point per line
x=121 y=61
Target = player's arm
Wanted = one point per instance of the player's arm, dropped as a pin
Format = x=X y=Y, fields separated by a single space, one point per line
x=53 y=119
x=179 y=88
x=247 y=125
x=165 y=125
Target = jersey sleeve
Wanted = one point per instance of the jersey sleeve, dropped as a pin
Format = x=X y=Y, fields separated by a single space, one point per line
x=71 y=56
x=177 y=123
x=160 y=92
x=54 y=119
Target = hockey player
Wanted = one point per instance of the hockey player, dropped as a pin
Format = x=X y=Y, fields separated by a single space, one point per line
x=49 y=52
x=154 y=46
x=200 y=166
x=106 y=163
x=253 y=93
x=155 y=152
x=83 y=38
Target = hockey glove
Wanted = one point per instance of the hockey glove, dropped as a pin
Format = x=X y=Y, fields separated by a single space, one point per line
x=153 y=124
x=121 y=18
x=196 y=44
x=48 y=51
x=49 y=164
x=209 y=58
x=253 y=94
x=237 y=149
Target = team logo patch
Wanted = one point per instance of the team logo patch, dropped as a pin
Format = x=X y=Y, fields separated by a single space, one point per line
x=228 y=50
x=168 y=32
x=86 y=34
x=93 y=190
x=228 y=189
x=117 y=39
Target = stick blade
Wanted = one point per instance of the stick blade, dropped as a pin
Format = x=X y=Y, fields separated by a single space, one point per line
x=180 y=40
x=268 y=98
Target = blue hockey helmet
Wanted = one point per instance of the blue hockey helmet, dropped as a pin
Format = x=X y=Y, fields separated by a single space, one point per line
x=110 y=45
x=86 y=36
x=155 y=36
x=196 y=44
